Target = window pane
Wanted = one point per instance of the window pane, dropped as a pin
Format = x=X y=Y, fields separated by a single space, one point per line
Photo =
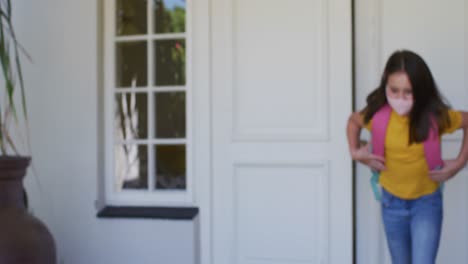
x=170 y=62
x=170 y=167
x=131 y=64
x=131 y=166
x=131 y=116
x=170 y=115
x=169 y=16
x=131 y=17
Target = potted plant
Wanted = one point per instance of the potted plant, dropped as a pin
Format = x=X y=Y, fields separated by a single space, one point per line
x=23 y=238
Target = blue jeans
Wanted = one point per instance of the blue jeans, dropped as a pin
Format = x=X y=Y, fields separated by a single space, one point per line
x=412 y=227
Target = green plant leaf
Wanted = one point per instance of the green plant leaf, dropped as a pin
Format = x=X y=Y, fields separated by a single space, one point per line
x=10 y=63
x=19 y=72
x=9 y=7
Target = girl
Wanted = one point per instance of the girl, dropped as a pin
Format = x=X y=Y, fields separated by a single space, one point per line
x=411 y=194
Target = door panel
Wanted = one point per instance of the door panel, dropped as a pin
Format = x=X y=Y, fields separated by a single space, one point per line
x=282 y=176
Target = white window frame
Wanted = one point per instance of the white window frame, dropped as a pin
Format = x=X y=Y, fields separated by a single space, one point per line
x=149 y=197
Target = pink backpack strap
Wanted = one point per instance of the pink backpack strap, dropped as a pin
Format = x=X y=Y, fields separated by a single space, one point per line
x=379 y=130
x=432 y=149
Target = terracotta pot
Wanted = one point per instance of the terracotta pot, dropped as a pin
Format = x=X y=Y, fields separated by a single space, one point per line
x=23 y=238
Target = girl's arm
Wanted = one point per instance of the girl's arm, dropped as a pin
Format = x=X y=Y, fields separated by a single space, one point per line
x=463 y=156
x=361 y=154
x=452 y=167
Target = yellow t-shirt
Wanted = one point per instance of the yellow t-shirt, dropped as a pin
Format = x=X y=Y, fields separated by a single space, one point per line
x=407 y=173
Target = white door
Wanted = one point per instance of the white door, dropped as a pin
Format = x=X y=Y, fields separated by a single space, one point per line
x=438 y=31
x=282 y=177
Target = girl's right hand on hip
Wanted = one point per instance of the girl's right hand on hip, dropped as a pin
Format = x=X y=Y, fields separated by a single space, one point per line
x=364 y=156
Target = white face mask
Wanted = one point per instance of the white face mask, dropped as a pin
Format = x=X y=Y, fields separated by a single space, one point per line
x=401 y=106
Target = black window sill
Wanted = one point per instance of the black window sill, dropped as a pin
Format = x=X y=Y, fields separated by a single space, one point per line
x=149 y=212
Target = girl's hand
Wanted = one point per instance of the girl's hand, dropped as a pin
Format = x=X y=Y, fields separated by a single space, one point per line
x=451 y=167
x=364 y=156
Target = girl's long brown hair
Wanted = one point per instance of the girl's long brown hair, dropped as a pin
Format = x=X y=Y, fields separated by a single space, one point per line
x=428 y=102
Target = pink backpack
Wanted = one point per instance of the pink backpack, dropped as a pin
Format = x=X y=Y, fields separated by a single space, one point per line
x=432 y=149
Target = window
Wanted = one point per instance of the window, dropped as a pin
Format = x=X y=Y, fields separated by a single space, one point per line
x=147 y=102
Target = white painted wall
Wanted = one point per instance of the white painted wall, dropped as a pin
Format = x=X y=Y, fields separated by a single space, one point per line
x=62 y=87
